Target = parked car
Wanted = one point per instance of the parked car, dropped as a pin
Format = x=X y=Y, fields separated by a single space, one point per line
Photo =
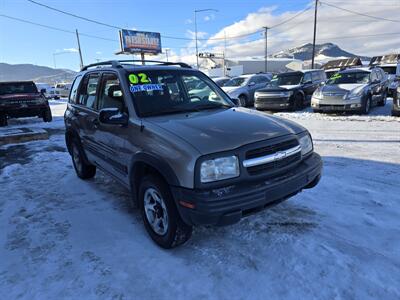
x=179 y=153
x=393 y=72
x=47 y=89
x=243 y=87
x=354 y=90
x=61 y=90
x=221 y=80
x=391 y=65
x=396 y=103
x=20 y=99
x=290 y=90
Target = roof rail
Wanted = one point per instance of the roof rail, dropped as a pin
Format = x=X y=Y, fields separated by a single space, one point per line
x=112 y=63
x=164 y=63
x=118 y=63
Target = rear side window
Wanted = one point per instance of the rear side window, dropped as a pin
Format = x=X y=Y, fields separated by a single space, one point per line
x=17 y=88
x=74 y=90
x=87 y=95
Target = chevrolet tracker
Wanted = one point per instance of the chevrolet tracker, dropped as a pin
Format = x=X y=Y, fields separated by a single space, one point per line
x=22 y=99
x=187 y=159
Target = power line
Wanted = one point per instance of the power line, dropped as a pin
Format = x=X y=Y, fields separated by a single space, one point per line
x=358 y=13
x=291 y=18
x=119 y=27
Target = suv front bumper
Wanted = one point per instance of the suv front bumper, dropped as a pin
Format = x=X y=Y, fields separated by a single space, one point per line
x=227 y=205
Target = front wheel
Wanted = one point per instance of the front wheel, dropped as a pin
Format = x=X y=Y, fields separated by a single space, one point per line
x=382 y=102
x=160 y=215
x=298 y=102
x=242 y=101
x=47 y=117
x=366 y=106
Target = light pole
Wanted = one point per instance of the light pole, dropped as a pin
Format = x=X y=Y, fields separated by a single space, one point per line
x=195 y=30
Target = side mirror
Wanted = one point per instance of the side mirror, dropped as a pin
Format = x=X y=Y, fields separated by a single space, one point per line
x=252 y=83
x=43 y=91
x=113 y=116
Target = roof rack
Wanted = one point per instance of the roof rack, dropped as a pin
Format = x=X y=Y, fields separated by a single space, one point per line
x=119 y=63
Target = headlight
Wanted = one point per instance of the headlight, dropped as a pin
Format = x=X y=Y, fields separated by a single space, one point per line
x=306 y=144
x=286 y=94
x=219 y=169
x=318 y=94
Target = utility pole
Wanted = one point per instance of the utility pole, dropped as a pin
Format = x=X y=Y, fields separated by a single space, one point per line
x=79 y=47
x=266 y=49
x=195 y=30
x=166 y=53
x=195 y=34
x=315 y=34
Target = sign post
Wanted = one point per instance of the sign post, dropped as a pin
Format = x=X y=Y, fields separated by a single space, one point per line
x=143 y=42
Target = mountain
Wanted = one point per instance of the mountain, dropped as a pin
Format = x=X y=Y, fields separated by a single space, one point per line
x=36 y=73
x=323 y=52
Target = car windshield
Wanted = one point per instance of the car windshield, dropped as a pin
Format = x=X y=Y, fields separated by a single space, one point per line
x=159 y=92
x=349 y=78
x=18 y=88
x=285 y=79
x=389 y=70
x=237 y=81
x=221 y=82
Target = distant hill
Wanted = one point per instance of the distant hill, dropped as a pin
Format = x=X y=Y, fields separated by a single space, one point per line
x=322 y=52
x=36 y=73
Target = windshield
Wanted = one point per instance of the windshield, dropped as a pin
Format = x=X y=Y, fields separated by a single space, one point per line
x=389 y=70
x=174 y=91
x=237 y=81
x=349 y=78
x=18 y=88
x=221 y=82
x=285 y=79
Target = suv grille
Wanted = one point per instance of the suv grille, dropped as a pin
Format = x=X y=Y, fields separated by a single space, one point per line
x=272 y=167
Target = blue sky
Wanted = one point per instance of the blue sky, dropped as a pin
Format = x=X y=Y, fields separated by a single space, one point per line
x=25 y=43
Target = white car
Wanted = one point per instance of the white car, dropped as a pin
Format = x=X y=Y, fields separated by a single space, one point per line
x=61 y=90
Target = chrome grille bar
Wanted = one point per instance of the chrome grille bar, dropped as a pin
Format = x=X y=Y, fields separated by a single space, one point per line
x=271 y=157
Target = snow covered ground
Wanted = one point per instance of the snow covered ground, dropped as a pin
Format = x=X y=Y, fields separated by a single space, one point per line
x=62 y=237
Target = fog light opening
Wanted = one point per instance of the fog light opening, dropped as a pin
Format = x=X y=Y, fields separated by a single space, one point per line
x=187 y=204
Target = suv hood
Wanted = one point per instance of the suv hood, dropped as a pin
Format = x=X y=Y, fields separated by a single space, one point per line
x=280 y=88
x=222 y=130
x=31 y=96
x=341 y=87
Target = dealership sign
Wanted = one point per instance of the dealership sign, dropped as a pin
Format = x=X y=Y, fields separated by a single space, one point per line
x=133 y=41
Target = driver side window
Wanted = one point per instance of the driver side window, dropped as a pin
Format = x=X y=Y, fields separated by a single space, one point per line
x=110 y=95
x=307 y=77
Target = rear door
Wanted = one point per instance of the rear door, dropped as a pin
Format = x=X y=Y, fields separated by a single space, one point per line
x=86 y=114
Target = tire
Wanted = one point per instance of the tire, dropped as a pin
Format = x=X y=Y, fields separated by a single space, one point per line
x=83 y=169
x=242 y=101
x=160 y=215
x=298 y=102
x=3 y=121
x=318 y=111
x=395 y=113
x=47 y=116
x=366 y=106
x=383 y=101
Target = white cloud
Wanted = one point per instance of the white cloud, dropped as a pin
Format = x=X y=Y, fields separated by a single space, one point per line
x=342 y=28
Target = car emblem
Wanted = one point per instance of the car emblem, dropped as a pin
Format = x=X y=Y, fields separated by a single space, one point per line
x=279 y=155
